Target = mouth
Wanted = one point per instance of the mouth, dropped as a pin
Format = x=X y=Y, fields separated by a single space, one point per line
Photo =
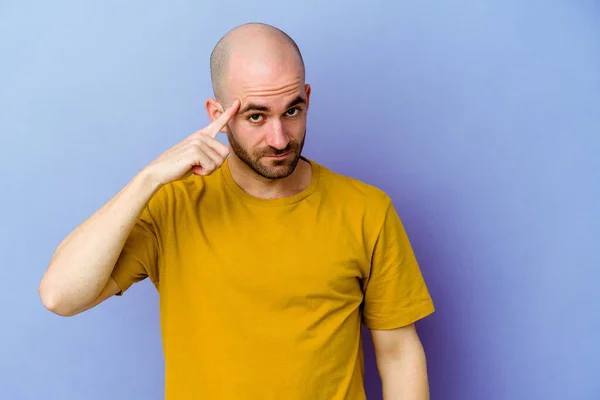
x=279 y=156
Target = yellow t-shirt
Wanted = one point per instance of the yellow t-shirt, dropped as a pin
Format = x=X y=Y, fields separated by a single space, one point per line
x=264 y=299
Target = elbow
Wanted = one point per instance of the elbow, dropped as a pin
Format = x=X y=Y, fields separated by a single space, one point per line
x=51 y=300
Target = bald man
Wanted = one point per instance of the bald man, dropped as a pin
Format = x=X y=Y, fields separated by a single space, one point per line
x=266 y=262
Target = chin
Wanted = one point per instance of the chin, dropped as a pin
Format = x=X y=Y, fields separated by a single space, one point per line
x=276 y=172
x=277 y=169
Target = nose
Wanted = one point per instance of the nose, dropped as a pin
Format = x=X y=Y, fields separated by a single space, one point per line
x=276 y=136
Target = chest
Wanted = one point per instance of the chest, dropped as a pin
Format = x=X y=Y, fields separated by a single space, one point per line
x=279 y=258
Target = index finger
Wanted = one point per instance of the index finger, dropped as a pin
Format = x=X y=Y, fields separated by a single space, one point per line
x=215 y=127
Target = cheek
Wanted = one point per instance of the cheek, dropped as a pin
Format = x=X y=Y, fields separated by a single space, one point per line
x=238 y=129
x=245 y=135
x=296 y=127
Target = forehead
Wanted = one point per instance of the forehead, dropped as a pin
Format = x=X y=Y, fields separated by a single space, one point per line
x=270 y=83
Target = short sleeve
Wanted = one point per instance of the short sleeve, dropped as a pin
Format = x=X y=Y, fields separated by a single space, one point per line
x=395 y=292
x=139 y=257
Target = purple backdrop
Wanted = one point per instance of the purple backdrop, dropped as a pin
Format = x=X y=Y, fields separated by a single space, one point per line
x=480 y=119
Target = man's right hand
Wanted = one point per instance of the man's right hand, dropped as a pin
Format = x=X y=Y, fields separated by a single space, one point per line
x=200 y=153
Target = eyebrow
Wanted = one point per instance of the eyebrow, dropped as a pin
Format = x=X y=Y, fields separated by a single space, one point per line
x=260 y=107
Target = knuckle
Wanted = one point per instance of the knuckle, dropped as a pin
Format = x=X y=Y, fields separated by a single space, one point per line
x=196 y=146
x=211 y=166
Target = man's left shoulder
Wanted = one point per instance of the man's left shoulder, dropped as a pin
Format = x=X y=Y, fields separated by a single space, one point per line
x=354 y=190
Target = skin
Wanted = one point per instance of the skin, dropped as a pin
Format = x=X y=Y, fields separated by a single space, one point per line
x=268 y=133
x=262 y=108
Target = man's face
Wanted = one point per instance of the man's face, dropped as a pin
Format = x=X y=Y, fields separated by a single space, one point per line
x=269 y=130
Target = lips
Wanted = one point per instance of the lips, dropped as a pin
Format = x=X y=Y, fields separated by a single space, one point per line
x=278 y=155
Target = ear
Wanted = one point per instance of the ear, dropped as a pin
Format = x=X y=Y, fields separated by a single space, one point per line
x=307 y=90
x=214 y=109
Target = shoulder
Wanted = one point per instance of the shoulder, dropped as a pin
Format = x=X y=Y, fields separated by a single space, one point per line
x=352 y=191
x=358 y=204
x=180 y=193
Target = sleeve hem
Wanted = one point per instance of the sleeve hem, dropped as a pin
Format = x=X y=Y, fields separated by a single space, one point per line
x=121 y=283
x=404 y=319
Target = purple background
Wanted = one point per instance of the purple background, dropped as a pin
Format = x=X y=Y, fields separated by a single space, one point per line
x=481 y=119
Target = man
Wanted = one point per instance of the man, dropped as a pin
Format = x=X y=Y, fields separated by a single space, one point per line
x=265 y=261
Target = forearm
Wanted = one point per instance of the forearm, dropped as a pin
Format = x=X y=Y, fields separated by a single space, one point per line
x=404 y=376
x=82 y=263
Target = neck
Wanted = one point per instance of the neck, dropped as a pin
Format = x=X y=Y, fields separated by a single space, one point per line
x=264 y=188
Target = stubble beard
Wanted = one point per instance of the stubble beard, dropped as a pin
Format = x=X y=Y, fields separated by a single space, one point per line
x=277 y=169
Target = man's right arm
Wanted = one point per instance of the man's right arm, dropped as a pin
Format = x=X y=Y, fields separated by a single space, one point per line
x=79 y=273
x=78 y=276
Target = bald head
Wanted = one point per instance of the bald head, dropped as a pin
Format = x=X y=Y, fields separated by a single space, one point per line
x=252 y=43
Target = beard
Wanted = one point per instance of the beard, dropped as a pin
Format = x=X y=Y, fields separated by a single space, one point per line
x=270 y=169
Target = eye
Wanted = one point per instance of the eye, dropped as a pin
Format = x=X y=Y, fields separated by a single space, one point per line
x=255 y=118
x=292 y=112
